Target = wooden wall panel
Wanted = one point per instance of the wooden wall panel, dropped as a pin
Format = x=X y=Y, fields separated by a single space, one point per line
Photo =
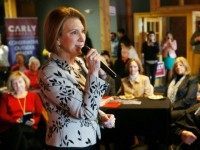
x=178 y=28
x=129 y=18
x=105 y=24
x=193 y=58
x=154 y=5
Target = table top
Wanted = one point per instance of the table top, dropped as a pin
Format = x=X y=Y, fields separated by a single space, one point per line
x=138 y=103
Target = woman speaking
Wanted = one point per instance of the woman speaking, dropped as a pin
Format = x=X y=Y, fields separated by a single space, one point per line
x=71 y=92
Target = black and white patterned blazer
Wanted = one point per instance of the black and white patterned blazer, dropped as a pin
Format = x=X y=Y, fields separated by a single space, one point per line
x=72 y=109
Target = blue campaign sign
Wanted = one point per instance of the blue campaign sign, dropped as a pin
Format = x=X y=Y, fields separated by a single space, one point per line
x=22 y=36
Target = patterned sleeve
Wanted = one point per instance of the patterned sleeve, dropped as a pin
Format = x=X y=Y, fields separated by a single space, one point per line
x=61 y=93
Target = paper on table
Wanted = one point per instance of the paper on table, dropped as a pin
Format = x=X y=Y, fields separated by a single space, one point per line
x=136 y=102
x=126 y=97
x=155 y=97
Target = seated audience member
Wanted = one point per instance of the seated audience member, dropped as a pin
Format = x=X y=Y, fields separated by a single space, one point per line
x=20 y=112
x=20 y=62
x=32 y=72
x=182 y=90
x=185 y=130
x=135 y=83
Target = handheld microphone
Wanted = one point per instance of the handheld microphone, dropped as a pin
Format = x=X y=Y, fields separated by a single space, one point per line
x=103 y=66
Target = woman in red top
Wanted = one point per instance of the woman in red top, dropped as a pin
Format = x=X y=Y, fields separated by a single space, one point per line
x=14 y=107
x=32 y=72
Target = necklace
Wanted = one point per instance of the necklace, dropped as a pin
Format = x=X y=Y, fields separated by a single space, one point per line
x=20 y=104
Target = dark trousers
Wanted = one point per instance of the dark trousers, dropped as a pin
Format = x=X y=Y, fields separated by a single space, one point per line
x=20 y=137
x=150 y=71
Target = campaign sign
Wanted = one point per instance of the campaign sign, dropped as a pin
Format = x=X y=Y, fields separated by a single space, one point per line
x=22 y=36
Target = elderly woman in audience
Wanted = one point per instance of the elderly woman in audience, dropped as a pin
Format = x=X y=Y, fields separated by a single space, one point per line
x=135 y=83
x=182 y=90
x=20 y=112
x=32 y=72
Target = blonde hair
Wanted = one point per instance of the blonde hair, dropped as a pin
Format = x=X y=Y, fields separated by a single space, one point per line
x=34 y=59
x=15 y=75
x=185 y=64
x=54 y=24
x=138 y=64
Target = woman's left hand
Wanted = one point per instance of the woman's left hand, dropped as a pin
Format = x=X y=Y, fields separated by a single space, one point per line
x=30 y=122
x=108 y=120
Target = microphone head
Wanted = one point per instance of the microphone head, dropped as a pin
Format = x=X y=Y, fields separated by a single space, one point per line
x=85 y=50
